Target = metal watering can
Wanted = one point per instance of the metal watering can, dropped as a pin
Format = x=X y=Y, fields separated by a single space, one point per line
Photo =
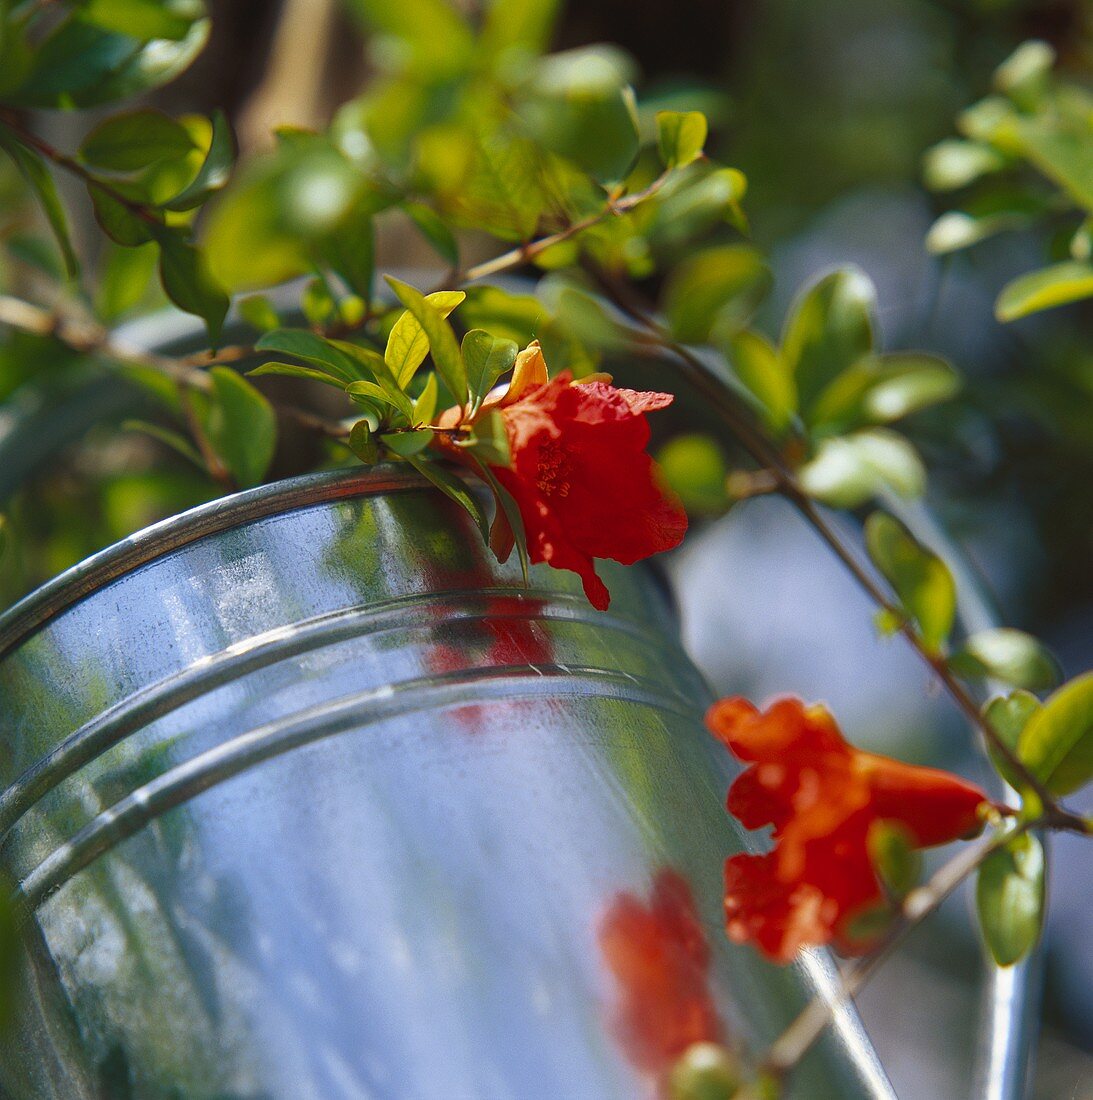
x=309 y=798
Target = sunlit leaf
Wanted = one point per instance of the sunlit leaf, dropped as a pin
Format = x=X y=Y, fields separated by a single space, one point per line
x=81 y=64
x=578 y=105
x=849 y=470
x=829 y=328
x=1011 y=656
x=442 y=344
x=407 y=345
x=1051 y=286
x=1057 y=743
x=1008 y=715
x=215 y=170
x=759 y=366
x=955 y=163
x=681 y=136
x=920 y=578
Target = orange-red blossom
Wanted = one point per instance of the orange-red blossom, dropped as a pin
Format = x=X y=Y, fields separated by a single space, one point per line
x=579 y=472
x=822 y=796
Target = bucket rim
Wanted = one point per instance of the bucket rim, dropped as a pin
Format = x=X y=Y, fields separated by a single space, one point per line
x=35 y=610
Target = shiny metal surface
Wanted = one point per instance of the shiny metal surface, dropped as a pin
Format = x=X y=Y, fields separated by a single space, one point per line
x=310 y=798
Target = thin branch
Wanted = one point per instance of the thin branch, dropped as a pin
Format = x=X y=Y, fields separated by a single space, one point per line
x=70 y=164
x=525 y=253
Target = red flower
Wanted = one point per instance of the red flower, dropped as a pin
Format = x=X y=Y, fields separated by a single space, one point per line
x=579 y=473
x=821 y=795
x=660 y=957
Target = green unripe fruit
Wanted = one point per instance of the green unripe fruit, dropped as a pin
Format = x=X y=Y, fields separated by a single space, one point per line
x=706 y=1071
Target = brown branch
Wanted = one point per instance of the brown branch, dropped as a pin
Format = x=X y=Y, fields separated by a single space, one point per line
x=70 y=164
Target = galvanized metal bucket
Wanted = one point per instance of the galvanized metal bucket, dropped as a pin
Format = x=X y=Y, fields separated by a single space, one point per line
x=309 y=798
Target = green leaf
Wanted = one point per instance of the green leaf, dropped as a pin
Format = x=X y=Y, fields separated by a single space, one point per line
x=445 y=351
x=849 y=470
x=694 y=467
x=350 y=250
x=503 y=192
x=294 y=370
x=372 y=362
x=215 y=170
x=143 y=19
x=168 y=438
x=961 y=229
x=1057 y=743
x=829 y=328
x=758 y=365
x=920 y=578
x=578 y=105
x=1027 y=67
x=122 y=224
x=490 y=440
x=258 y=312
x=897 y=862
x=1008 y=715
x=134 y=140
x=906 y=382
x=126 y=277
x=434 y=230
x=714 y=293
x=515 y=29
x=241 y=426
x=955 y=163
x=1052 y=286
x=681 y=136
x=511 y=509
x=35 y=172
x=1011 y=656
x=454 y=487
x=189 y=284
x=1009 y=896
x=486 y=359
x=81 y=64
x=1063 y=151
x=363 y=443
x=313 y=349
x=425 y=405
x=407 y=344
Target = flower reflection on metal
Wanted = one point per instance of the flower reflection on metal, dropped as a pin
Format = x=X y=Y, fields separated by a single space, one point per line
x=660 y=959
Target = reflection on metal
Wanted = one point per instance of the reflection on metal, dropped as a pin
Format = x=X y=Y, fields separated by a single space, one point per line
x=308 y=797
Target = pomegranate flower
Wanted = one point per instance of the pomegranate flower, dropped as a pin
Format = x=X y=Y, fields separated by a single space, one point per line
x=579 y=473
x=660 y=958
x=821 y=795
